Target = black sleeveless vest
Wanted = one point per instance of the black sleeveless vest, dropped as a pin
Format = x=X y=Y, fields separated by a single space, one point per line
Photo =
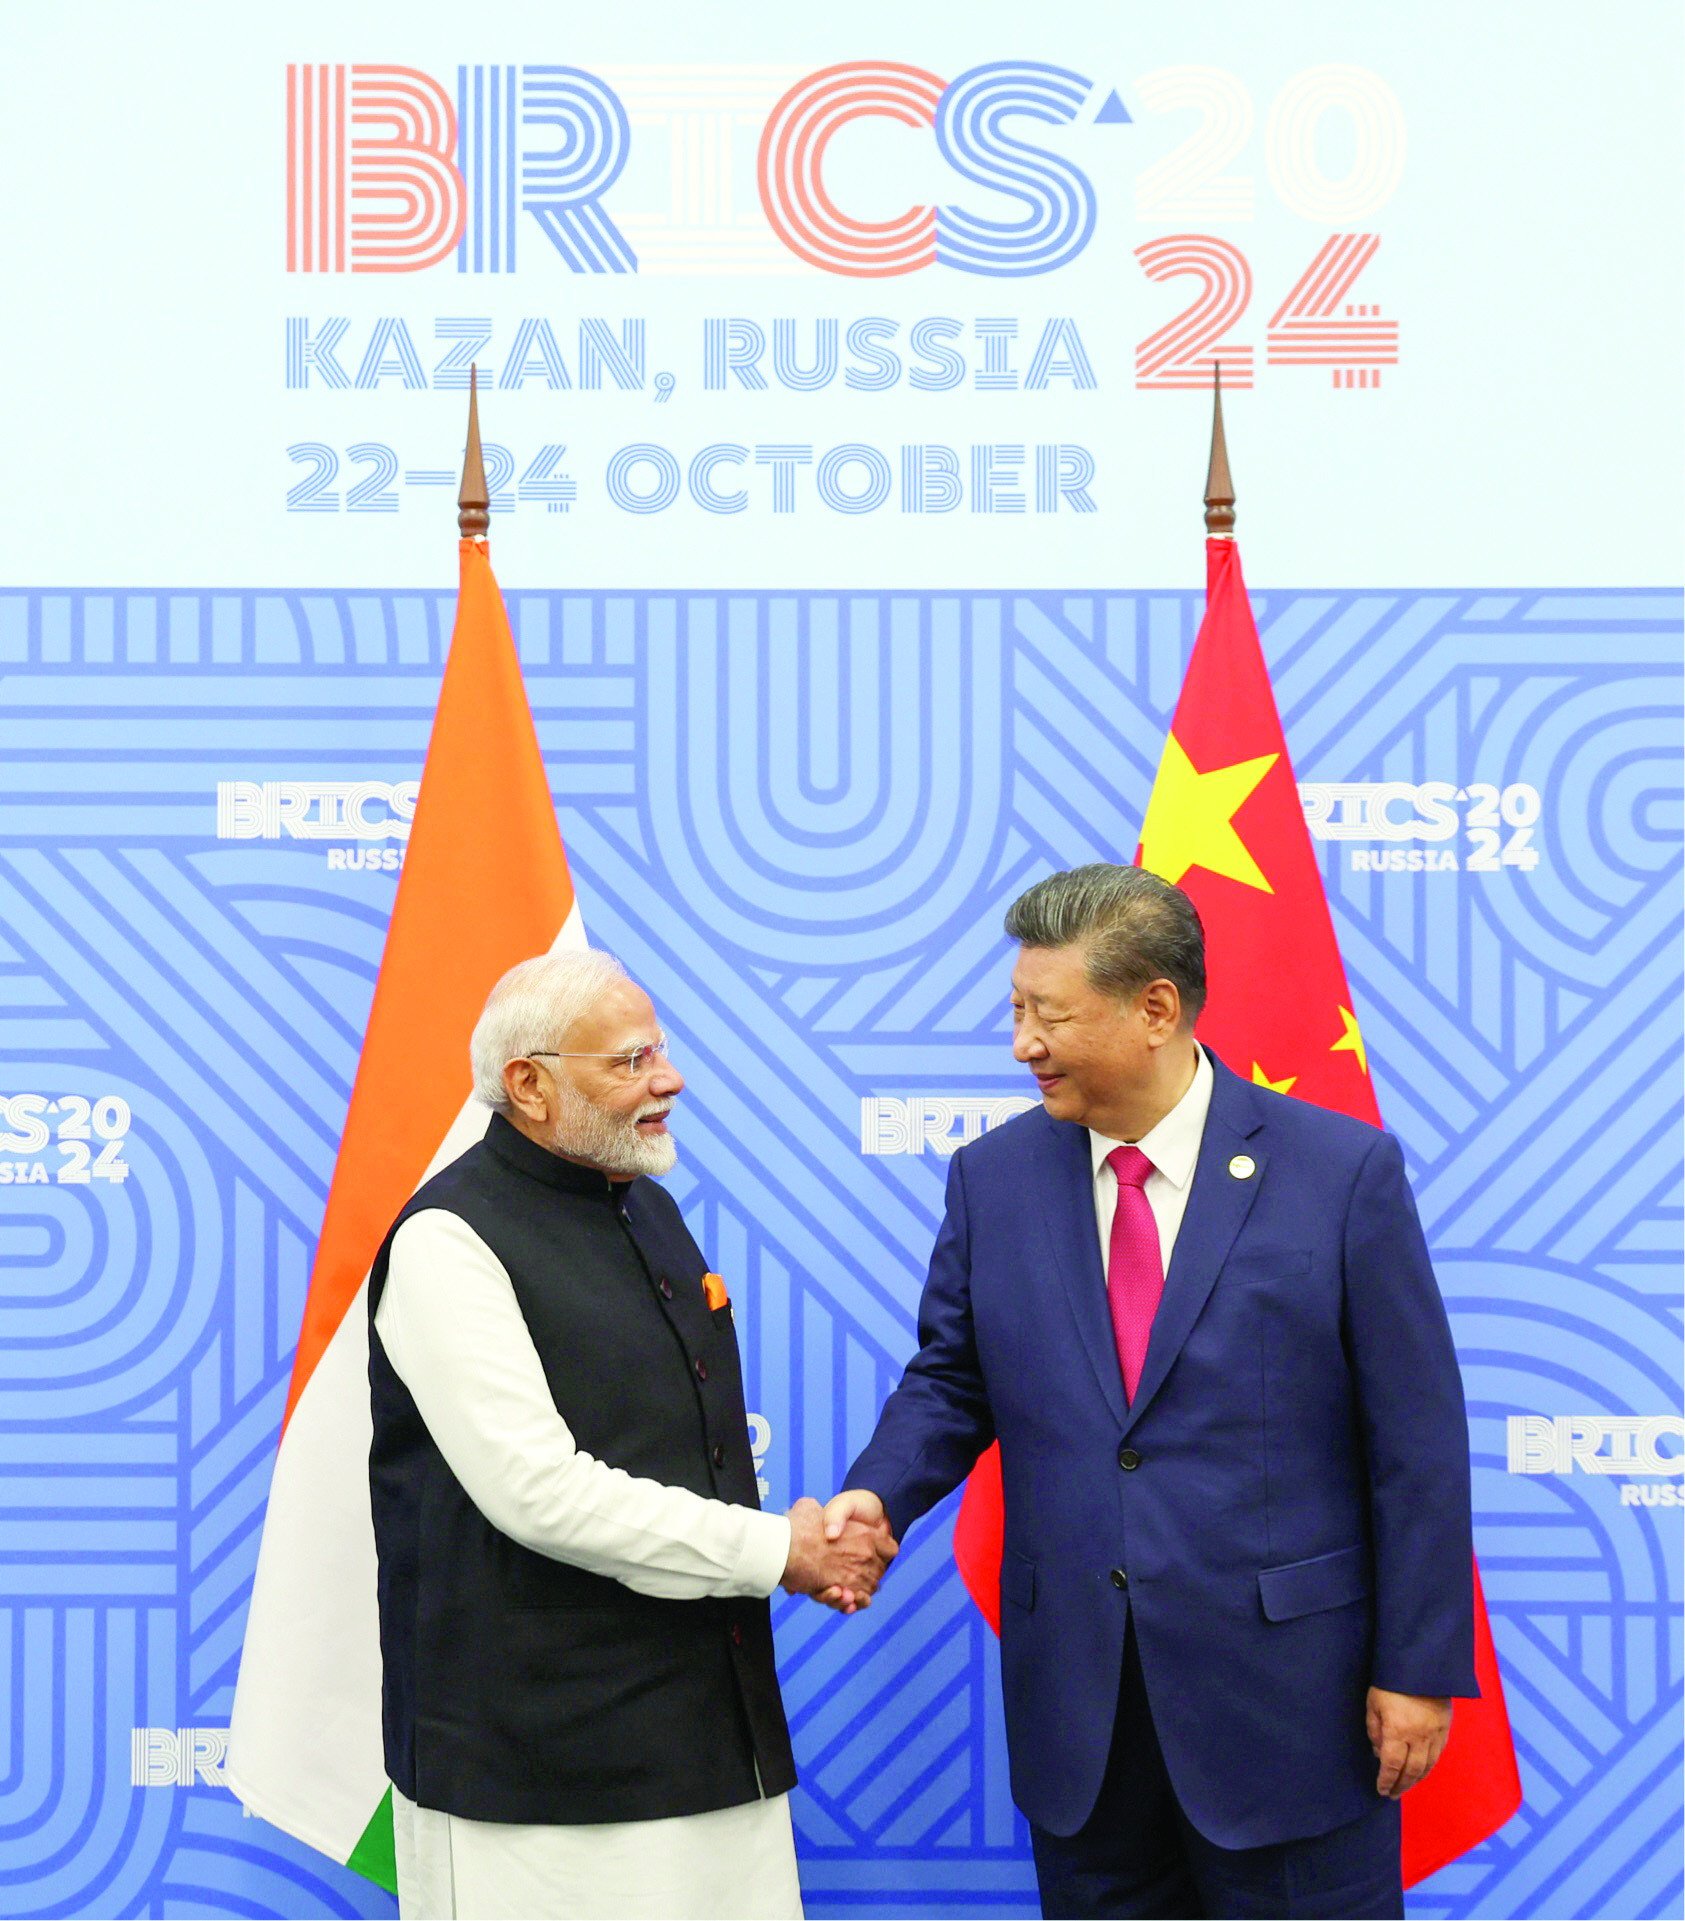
x=518 y=1688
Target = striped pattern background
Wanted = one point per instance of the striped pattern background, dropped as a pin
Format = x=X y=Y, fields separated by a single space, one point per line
x=798 y=818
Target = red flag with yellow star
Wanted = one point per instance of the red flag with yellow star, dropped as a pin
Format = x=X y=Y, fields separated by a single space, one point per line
x=1225 y=824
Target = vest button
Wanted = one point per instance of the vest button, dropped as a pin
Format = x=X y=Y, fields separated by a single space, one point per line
x=666 y=1287
x=701 y=1370
x=1119 y=1578
x=719 y=1454
x=1128 y=1459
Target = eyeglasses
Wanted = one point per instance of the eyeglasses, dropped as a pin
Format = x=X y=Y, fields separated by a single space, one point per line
x=630 y=1066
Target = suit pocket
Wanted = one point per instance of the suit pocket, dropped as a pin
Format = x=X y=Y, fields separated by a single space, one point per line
x=1017 y=1580
x=1308 y=1587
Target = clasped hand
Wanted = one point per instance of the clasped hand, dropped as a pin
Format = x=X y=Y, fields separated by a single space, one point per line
x=838 y=1553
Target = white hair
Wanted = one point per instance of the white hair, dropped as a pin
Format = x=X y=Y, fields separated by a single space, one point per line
x=534 y=1007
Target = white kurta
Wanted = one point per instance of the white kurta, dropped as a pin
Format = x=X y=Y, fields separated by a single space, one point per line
x=455 y=1335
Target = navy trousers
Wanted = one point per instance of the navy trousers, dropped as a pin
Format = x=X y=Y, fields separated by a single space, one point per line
x=1138 y=1854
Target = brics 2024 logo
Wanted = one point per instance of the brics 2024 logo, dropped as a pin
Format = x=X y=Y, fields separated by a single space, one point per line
x=386 y=173
x=389 y=171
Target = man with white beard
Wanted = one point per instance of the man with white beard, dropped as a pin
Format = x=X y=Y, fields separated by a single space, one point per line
x=581 y=1712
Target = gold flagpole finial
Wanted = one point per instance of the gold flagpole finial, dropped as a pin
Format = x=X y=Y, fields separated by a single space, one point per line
x=1219 y=488
x=473 y=502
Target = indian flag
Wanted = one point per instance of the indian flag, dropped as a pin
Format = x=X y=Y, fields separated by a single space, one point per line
x=484 y=884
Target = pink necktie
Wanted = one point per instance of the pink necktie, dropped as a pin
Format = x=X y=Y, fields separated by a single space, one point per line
x=1135 y=1271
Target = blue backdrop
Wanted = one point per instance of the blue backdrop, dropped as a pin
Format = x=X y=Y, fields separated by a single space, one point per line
x=798 y=818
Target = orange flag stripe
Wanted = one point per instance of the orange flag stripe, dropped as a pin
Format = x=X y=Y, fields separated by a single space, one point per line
x=485 y=883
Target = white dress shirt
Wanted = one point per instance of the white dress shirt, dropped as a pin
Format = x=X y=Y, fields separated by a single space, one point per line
x=1173 y=1148
x=454 y=1332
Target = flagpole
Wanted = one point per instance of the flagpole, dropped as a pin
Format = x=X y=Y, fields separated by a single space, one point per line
x=1219 y=488
x=473 y=501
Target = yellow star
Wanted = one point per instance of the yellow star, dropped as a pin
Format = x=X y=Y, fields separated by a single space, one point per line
x=1261 y=1079
x=1351 y=1041
x=1190 y=818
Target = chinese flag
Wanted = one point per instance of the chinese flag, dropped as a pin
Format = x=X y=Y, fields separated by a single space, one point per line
x=1224 y=823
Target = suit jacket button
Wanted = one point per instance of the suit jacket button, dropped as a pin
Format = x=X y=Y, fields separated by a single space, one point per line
x=1119 y=1578
x=702 y=1370
x=666 y=1287
x=1128 y=1459
x=719 y=1454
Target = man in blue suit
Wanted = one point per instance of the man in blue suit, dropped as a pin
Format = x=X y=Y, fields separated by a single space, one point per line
x=1200 y=1318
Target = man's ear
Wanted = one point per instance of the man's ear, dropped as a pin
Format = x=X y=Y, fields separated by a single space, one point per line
x=525 y=1090
x=1161 y=1002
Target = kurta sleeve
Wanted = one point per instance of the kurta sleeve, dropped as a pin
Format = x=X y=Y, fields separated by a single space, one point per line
x=454 y=1333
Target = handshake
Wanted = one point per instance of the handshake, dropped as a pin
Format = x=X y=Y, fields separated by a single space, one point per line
x=838 y=1553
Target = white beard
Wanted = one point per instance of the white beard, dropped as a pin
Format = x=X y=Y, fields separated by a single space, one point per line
x=583 y=1132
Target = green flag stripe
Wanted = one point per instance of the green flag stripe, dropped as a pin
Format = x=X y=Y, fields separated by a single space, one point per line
x=375 y=1857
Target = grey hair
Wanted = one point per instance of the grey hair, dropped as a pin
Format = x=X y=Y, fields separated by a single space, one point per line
x=534 y=1007
x=1136 y=928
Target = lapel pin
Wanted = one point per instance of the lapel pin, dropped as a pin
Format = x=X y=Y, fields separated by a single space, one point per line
x=1243 y=1167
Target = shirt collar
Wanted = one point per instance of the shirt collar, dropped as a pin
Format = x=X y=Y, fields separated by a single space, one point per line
x=1173 y=1144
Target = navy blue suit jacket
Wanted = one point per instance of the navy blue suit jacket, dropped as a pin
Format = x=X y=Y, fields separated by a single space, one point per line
x=1285 y=1506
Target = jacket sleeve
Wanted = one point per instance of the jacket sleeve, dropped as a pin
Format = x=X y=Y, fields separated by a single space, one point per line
x=1415 y=1433
x=937 y=1421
